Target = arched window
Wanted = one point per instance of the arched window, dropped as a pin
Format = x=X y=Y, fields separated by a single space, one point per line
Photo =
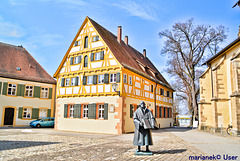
x=85 y=61
x=86 y=42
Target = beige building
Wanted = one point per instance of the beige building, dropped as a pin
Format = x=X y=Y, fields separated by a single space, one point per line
x=101 y=81
x=219 y=104
x=27 y=91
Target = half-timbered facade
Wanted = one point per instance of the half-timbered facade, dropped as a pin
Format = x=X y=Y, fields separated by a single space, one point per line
x=102 y=79
x=27 y=91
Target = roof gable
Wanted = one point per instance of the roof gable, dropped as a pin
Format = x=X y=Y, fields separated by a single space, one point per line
x=17 y=63
x=123 y=53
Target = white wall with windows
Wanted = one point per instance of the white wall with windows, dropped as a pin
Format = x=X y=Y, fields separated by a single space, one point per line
x=84 y=123
x=27 y=102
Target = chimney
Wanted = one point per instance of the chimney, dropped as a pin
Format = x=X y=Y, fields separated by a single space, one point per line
x=239 y=32
x=126 y=40
x=119 y=36
x=144 y=53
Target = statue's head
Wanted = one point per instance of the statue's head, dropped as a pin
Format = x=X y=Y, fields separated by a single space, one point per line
x=142 y=104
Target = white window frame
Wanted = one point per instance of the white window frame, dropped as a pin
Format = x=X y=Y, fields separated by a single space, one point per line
x=97 y=56
x=76 y=60
x=29 y=91
x=113 y=78
x=44 y=92
x=67 y=81
x=71 y=111
x=101 y=111
x=130 y=80
x=12 y=89
x=85 y=111
x=95 y=38
x=90 y=80
x=27 y=113
x=42 y=113
x=73 y=81
x=100 y=79
x=124 y=78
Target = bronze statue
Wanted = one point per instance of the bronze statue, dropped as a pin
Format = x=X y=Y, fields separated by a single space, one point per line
x=144 y=121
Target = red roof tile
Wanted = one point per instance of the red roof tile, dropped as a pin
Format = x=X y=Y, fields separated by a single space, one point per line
x=13 y=57
x=128 y=56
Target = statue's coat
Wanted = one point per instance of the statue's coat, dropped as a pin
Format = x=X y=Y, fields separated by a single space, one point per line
x=142 y=136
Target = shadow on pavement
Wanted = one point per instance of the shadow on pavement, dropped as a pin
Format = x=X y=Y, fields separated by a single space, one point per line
x=7 y=145
x=179 y=129
x=170 y=151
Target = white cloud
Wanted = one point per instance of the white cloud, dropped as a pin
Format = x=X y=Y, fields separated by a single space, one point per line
x=17 y=3
x=73 y=2
x=9 y=29
x=44 y=40
x=143 y=11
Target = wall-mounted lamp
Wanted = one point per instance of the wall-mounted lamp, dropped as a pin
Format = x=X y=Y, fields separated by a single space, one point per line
x=114 y=87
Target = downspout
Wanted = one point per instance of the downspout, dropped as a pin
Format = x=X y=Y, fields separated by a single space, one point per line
x=155 y=101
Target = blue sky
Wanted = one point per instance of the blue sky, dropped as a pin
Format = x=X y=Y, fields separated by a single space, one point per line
x=46 y=28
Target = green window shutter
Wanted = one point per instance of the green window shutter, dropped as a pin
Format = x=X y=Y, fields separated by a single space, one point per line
x=0 y=87
x=49 y=113
x=84 y=80
x=37 y=90
x=79 y=59
x=155 y=111
x=94 y=110
x=164 y=111
x=50 y=93
x=35 y=113
x=77 y=111
x=20 y=112
x=131 y=111
x=71 y=60
x=23 y=90
x=118 y=78
x=102 y=55
x=5 y=88
x=94 y=79
x=90 y=115
x=106 y=78
x=76 y=81
x=160 y=112
x=65 y=110
x=92 y=56
x=62 y=82
x=20 y=90
x=105 y=111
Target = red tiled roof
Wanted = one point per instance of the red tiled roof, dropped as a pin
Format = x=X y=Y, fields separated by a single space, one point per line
x=128 y=56
x=13 y=57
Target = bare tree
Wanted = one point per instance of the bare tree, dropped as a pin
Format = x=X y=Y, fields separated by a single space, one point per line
x=186 y=45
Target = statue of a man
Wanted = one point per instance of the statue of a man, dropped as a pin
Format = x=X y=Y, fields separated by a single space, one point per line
x=144 y=121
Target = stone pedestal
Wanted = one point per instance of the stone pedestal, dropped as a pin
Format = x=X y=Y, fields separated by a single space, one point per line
x=143 y=153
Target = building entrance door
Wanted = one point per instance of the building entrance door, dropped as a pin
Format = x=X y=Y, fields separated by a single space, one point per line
x=9 y=115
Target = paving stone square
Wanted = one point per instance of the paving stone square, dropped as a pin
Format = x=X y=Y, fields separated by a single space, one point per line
x=48 y=144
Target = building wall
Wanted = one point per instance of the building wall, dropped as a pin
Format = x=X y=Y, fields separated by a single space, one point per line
x=23 y=101
x=219 y=91
x=128 y=124
x=140 y=88
x=89 y=125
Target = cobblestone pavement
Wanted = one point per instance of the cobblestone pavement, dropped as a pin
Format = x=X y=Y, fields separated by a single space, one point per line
x=48 y=144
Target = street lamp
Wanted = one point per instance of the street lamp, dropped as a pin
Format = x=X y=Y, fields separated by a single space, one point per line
x=114 y=87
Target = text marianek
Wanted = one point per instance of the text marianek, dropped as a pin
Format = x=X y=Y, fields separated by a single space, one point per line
x=213 y=157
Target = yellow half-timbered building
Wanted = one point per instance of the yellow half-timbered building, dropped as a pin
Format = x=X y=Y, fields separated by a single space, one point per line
x=102 y=79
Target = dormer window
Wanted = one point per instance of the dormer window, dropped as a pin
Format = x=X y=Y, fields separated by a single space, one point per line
x=86 y=42
x=95 y=38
